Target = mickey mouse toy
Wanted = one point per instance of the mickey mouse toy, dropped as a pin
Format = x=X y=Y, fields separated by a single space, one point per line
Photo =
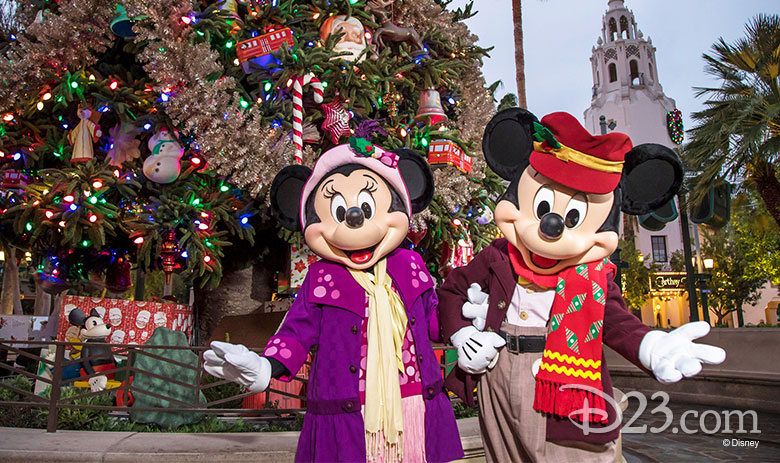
x=96 y=358
x=368 y=310
x=544 y=293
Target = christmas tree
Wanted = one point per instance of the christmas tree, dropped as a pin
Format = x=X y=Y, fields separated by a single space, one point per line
x=238 y=90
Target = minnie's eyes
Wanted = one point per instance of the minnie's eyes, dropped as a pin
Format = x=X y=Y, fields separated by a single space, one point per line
x=338 y=207
x=367 y=205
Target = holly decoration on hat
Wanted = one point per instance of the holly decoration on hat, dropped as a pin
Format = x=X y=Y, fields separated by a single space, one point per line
x=336 y=119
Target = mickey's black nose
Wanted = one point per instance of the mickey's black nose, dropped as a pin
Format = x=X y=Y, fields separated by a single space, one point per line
x=354 y=217
x=551 y=226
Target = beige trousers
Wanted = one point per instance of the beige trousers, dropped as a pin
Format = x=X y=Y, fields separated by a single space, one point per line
x=512 y=431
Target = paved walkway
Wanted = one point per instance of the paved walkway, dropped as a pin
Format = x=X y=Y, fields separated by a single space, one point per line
x=33 y=445
x=714 y=445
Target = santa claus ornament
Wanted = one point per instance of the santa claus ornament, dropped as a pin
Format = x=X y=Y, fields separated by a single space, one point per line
x=353 y=43
x=544 y=295
x=375 y=388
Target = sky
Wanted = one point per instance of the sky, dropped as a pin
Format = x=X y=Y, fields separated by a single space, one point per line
x=560 y=34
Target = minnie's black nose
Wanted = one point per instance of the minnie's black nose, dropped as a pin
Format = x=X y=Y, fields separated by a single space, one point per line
x=354 y=217
x=551 y=226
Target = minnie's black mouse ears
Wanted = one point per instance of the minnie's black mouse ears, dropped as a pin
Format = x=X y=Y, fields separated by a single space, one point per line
x=418 y=178
x=285 y=195
x=508 y=142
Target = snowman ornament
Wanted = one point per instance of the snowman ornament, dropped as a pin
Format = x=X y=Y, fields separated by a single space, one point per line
x=163 y=166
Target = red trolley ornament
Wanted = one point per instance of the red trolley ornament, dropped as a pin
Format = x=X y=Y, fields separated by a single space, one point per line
x=257 y=50
x=448 y=152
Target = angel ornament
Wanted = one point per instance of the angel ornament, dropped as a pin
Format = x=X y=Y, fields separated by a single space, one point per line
x=82 y=137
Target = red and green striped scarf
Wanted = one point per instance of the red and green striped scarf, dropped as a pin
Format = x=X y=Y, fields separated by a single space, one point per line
x=572 y=352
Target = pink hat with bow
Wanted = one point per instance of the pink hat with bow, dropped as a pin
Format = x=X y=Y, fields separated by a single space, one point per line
x=359 y=151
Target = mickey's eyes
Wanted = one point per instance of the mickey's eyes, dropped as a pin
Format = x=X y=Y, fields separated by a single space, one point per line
x=338 y=207
x=543 y=201
x=575 y=211
x=366 y=202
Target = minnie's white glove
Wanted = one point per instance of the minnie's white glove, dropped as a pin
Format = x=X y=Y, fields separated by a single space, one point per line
x=673 y=355
x=98 y=383
x=477 y=350
x=239 y=364
x=476 y=307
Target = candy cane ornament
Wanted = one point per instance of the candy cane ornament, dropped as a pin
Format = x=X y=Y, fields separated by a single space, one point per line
x=298 y=109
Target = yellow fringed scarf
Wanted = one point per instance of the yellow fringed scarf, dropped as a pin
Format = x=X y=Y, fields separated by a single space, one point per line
x=386 y=330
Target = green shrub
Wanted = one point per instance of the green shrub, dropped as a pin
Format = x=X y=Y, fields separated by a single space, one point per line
x=464 y=411
x=81 y=419
x=19 y=417
x=223 y=391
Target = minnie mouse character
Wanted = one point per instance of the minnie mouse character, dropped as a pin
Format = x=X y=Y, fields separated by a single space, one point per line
x=368 y=310
x=549 y=298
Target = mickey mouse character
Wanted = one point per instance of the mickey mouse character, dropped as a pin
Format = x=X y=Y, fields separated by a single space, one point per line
x=96 y=358
x=549 y=298
x=368 y=310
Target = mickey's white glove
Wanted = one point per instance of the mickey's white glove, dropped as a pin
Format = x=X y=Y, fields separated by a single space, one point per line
x=98 y=383
x=239 y=364
x=673 y=355
x=476 y=307
x=477 y=350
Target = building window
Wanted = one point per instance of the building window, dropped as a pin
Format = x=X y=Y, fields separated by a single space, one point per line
x=623 y=27
x=659 y=248
x=634 y=69
x=650 y=67
x=612 y=72
x=612 y=29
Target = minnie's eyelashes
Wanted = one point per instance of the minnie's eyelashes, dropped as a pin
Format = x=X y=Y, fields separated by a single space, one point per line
x=329 y=192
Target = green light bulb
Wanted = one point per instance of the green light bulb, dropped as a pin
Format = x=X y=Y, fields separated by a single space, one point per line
x=74 y=85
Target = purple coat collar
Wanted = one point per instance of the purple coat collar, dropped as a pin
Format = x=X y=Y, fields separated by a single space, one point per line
x=331 y=283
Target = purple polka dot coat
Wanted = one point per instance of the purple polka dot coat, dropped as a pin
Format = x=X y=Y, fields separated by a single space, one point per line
x=326 y=318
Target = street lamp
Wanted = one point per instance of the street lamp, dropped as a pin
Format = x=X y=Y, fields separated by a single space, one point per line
x=709 y=263
x=640 y=257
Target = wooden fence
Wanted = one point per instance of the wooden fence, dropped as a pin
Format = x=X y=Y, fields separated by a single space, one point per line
x=125 y=389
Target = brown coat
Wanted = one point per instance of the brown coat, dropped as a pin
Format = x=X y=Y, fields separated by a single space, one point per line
x=492 y=270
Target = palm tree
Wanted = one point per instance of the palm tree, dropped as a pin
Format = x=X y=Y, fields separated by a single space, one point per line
x=517 y=18
x=738 y=134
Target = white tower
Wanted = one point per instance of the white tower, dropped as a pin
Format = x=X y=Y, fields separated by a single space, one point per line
x=627 y=93
x=626 y=90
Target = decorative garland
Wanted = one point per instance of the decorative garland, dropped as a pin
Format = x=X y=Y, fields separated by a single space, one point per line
x=674 y=124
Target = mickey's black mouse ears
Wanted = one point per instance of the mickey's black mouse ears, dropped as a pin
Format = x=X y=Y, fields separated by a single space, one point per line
x=508 y=142
x=652 y=175
x=77 y=317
